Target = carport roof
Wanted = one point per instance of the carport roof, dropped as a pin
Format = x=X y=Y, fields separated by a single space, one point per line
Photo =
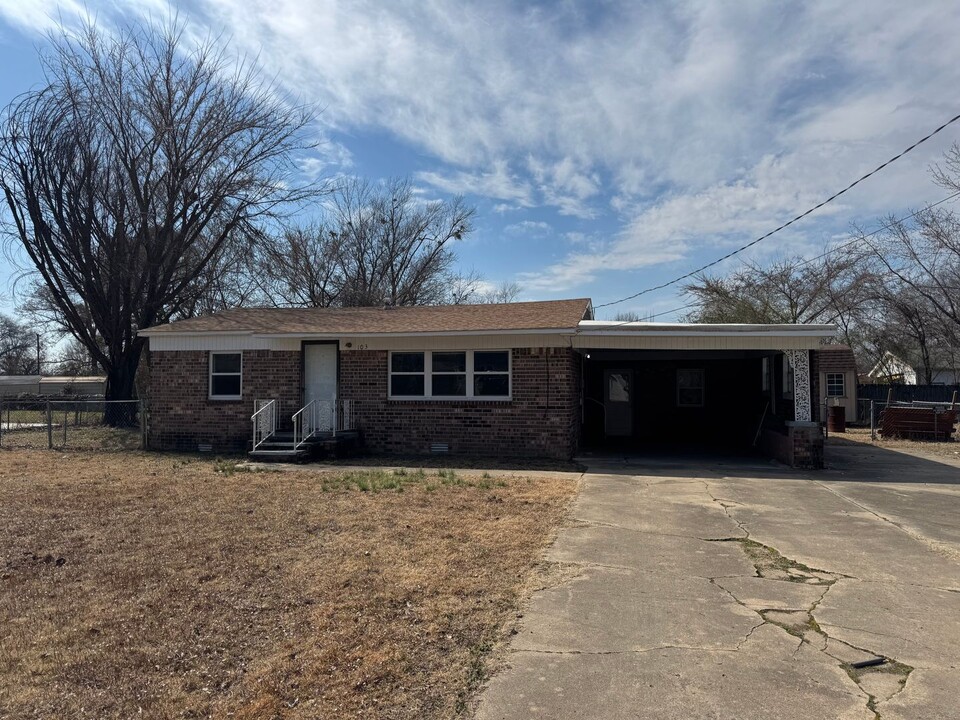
x=606 y=327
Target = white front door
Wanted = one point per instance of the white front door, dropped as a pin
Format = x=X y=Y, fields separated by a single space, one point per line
x=320 y=373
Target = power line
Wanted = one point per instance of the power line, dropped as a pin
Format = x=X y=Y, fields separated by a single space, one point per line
x=804 y=263
x=789 y=222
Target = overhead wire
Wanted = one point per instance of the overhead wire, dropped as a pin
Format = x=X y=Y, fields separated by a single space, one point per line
x=804 y=263
x=787 y=224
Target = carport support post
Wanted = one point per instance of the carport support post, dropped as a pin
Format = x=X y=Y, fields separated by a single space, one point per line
x=800 y=362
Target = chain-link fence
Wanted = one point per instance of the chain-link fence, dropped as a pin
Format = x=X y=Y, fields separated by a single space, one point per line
x=79 y=424
x=933 y=422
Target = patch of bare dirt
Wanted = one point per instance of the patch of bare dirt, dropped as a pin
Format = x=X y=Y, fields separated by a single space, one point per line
x=159 y=586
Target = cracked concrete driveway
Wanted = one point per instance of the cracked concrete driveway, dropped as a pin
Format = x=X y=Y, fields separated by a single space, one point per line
x=743 y=590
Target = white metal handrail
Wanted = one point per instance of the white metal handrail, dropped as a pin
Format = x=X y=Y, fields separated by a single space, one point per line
x=321 y=416
x=264 y=421
x=305 y=423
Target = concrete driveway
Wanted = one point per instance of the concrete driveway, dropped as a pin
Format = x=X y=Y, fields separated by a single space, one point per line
x=737 y=590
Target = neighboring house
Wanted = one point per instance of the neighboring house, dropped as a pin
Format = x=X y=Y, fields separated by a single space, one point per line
x=518 y=379
x=73 y=385
x=894 y=369
x=13 y=385
x=838 y=379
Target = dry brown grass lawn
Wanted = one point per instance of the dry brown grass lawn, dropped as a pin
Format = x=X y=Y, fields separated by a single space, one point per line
x=138 y=585
x=947 y=450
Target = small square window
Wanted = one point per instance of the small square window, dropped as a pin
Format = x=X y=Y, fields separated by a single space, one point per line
x=690 y=387
x=835 y=386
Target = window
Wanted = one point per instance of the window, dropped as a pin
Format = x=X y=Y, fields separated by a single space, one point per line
x=449 y=374
x=491 y=373
x=690 y=388
x=406 y=374
x=835 y=385
x=226 y=373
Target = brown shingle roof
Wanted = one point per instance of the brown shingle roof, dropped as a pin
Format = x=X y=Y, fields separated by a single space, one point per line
x=544 y=315
x=836 y=358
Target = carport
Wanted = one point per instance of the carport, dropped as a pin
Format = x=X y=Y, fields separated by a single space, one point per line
x=662 y=386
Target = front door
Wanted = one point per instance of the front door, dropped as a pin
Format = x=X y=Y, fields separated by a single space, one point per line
x=320 y=378
x=618 y=403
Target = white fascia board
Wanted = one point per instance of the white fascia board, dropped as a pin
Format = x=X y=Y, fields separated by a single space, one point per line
x=158 y=332
x=602 y=328
x=445 y=333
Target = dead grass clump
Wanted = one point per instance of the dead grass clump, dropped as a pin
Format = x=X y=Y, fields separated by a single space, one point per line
x=164 y=586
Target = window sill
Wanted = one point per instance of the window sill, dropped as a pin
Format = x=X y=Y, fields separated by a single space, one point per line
x=224 y=398
x=459 y=400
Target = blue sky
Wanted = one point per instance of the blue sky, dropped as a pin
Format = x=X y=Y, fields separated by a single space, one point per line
x=608 y=146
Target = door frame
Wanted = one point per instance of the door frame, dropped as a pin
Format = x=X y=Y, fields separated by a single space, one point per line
x=303 y=366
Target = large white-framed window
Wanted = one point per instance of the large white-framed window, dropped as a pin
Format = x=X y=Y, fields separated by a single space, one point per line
x=690 y=387
x=449 y=374
x=835 y=387
x=226 y=375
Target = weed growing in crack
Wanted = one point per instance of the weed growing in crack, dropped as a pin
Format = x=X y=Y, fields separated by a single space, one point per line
x=769 y=563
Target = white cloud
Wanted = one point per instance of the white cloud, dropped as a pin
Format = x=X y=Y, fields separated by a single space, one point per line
x=498 y=182
x=698 y=124
x=529 y=228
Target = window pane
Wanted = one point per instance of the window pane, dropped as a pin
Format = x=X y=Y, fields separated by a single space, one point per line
x=225 y=385
x=450 y=385
x=407 y=385
x=491 y=361
x=491 y=385
x=406 y=362
x=690 y=378
x=835 y=384
x=226 y=363
x=449 y=362
x=619 y=390
x=690 y=396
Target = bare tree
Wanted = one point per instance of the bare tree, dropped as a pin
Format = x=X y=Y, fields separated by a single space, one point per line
x=74 y=359
x=788 y=291
x=504 y=292
x=17 y=348
x=377 y=244
x=127 y=175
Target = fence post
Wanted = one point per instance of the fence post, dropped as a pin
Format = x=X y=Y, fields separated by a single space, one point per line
x=142 y=407
x=49 y=427
x=873 y=431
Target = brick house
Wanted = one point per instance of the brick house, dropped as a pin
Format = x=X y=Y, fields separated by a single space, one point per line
x=519 y=379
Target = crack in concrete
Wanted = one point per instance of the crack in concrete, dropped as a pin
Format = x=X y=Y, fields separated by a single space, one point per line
x=726 y=509
x=639 y=651
x=942 y=549
x=765 y=559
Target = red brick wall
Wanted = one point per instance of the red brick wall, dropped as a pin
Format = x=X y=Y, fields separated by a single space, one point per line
x=799 y=446
x=542 y=419
x=182 y=416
